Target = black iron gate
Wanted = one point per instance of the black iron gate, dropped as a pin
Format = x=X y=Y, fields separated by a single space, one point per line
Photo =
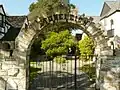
x=62 y=73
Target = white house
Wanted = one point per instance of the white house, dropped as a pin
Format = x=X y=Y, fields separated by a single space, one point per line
x=110 y=20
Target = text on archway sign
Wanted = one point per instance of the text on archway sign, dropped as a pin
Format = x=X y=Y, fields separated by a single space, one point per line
x=65 y=18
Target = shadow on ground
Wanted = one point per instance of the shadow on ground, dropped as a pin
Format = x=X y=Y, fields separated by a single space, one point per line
x=57 y=80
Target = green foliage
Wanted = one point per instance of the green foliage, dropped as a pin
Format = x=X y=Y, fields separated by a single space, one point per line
x=44 y=4
x=86 y=46
x=89 y=69
x=86 y=57
x=43 y=8
x=72 y=6
x=57 y=44
x=59 y=60
x=36 y=47
x=32 y=7
x=33 y=72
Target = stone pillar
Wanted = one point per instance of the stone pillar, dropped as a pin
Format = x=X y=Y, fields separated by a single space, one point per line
x=110 y=73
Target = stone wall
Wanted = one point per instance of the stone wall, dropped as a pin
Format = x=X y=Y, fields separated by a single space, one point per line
x=12 y=75
x=110 y=73
x=13 y=69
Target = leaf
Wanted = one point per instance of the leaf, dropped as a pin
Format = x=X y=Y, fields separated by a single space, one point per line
x=58 y=43
x=86 y=46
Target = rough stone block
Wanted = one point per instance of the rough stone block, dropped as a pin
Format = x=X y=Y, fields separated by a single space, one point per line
x=13 y=72
x=22 y=73
x=0 y=66
x=22 y=84
x=9 y=64
x=6 y=66
x=3 y=73
x=9 y=59
x=2 y=84
x=2 y=59
x=116 y=70
x=11 y=84
x=107 y=86
x=107 y=52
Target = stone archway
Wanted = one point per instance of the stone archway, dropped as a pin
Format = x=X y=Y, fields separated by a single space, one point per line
x=28 y=34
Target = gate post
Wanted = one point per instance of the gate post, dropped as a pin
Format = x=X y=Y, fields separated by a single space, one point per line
x=110 y=72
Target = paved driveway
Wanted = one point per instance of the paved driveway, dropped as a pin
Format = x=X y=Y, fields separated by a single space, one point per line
x=58 y=80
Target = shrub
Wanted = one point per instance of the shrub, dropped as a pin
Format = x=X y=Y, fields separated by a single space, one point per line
x=89 y=69
x=59 y=60
x=86 y=48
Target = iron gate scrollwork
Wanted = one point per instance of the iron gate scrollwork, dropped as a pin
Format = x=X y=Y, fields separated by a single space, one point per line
x=62 y=73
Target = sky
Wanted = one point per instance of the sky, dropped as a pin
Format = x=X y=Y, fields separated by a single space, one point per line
x=20 y=7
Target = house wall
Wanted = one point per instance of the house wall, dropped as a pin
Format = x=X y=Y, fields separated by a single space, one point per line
x=110 y=81
x=117 y=23
x=106 y=22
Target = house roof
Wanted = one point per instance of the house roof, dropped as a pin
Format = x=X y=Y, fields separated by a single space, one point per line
x=113 y=5
x=96 y=19
x=16 y=21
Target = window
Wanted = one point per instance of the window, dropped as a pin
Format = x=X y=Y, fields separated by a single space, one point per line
x=111 y=22
x=110 y=33
x=6 y=46
x=2 y=25
x=1 y=19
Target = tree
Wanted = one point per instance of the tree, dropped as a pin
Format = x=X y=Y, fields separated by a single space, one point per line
x=86 y=47
x=43 y=8
x=60 y=60
x=32 y=7
x=43 y=4
x=57 y=44
x=72 y=6
x=36 y=46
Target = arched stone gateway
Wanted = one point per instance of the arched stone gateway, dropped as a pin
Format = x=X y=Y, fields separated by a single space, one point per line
x=28 y=34
x=15 y=69
x=31 y=30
